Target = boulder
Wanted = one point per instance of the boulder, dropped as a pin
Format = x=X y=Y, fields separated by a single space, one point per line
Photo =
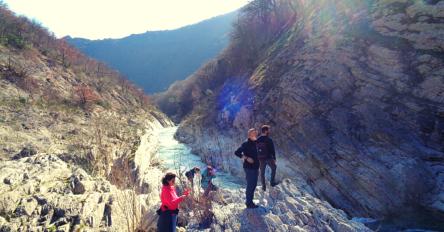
x=25 y=152
x=29 y=205
x=8 y=181
x=77 y=186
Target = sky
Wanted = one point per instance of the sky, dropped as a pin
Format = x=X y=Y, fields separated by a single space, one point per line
x=99 y=19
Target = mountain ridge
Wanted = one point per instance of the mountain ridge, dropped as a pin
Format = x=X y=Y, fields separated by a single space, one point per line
x=146 y=58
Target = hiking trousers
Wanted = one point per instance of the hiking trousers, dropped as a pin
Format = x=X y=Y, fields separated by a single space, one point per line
x=263 y=165
x=167 y=221
x=251 y=176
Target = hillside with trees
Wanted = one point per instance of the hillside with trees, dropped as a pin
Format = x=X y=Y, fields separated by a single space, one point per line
x=71 y=131
x=156 y=59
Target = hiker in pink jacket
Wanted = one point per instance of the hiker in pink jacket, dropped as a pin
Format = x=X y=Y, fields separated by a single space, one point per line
x=169 y=208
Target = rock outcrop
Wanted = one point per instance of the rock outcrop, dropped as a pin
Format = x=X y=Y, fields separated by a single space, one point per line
x=353 y=91
x=44 y=192
x=283 y=208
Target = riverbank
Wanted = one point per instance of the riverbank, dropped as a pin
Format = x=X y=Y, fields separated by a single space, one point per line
x=283 y=208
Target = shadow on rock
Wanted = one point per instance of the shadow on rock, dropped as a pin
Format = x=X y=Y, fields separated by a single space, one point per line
x=254 y=219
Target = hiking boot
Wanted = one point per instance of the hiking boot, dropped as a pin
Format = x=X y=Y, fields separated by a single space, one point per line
x=252 y=206
x=274 y=183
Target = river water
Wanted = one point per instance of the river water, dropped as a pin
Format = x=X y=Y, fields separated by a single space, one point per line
x=175 y=155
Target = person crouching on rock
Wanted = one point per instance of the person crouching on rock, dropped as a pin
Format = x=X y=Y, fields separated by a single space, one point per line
x=207 y=180
x=248 y=153
x=170 y=202
x=190 y=175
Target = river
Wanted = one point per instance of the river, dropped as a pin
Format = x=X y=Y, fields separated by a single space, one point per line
x=175 y=155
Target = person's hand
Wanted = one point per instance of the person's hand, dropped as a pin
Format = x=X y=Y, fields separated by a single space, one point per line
x=250 y=160
x=186 y=192
x=246 y=158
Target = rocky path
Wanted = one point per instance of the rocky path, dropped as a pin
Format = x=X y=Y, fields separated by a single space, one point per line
x=283 y=208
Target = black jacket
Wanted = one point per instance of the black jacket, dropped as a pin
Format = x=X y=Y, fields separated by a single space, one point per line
x=264 y=140
x=249 y=149
x=190 y=174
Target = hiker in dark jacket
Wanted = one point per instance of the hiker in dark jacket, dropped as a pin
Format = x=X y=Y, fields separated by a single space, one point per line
x=266 y=155
x=190 y=175
x=248 y=153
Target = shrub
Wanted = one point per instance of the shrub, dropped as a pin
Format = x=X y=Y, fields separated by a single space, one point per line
x=104 y=104
x=85 y=96
x=23 y=100
x=16 y=41
x=52 y=228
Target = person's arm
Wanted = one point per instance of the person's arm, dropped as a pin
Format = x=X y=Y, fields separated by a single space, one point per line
x=240 y=151
x=175 y=202
x=172 y=201
x=271 y=149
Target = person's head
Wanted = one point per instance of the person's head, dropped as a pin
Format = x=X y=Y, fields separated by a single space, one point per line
x=169 y=179
x=265 y=130
x=252 y=134
x=196 y=169
x=211 y=170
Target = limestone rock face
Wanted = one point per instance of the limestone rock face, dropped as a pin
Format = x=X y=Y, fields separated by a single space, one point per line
x=54 y=194
x=354 y=92
x=43 y=192
x=283 y=208
x=46 y=196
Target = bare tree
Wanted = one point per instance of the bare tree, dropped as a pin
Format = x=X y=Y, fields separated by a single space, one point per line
x=128 y=199
x=85 y=96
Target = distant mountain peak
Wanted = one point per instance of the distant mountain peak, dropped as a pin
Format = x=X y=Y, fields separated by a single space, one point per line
x=156 y=59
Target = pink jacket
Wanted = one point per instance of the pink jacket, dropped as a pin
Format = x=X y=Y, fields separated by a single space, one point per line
x=169 y=198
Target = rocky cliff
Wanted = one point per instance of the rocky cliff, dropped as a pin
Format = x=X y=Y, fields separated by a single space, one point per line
x=353 y=90
x=76 y=139
x=283 y=209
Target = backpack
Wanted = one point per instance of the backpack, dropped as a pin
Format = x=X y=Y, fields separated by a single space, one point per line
x=262 y=150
